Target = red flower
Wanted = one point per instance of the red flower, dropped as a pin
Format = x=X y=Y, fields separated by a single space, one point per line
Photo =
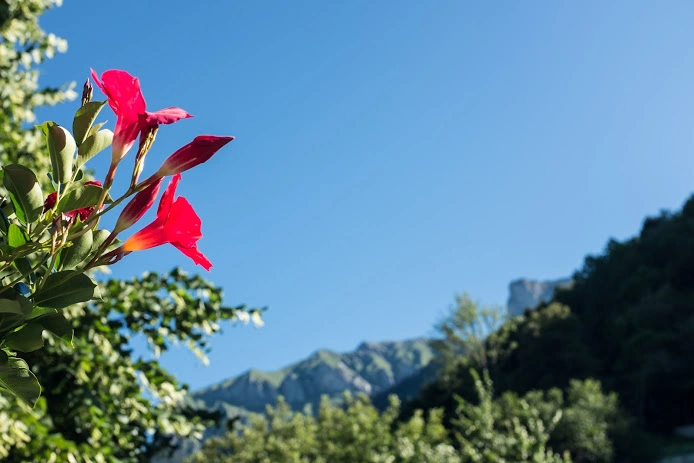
x=126 y=100
x=196 y=152
x=176 y=223
x=83 y=212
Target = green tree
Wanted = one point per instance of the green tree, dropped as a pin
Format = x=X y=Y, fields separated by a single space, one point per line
x=485 y=433
x=542 y=349
x=348 y=433
x=463 y=334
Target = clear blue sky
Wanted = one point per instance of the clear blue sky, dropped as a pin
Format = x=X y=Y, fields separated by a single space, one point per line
x=392 y=153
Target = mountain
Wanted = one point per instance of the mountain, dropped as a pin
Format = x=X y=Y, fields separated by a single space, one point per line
x=528 y=294
x=371 y=368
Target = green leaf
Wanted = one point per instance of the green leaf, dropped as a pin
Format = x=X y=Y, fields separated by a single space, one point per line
x=65 y=288
x=61 y=149
x=57 y=325
x=27 y=339
x=99 y=238
x=16 y=377
x=83 y=196
x=4 y=222
x=84 y=118
x=24 y=191
x=93 y=145
x=95 y=128
x=16 y=236
x=11 y=320
x=74 y=255
x=23 y=264
x=10 y=306
x=40 y=311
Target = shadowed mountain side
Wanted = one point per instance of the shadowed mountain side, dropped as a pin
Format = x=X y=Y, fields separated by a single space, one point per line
x=408 y=388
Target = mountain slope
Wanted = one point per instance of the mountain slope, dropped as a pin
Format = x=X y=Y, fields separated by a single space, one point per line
x=371 y=368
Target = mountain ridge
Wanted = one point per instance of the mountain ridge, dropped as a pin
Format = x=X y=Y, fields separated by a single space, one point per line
x=370 y=368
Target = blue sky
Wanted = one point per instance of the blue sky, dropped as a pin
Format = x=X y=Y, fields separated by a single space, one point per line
x=390 y=154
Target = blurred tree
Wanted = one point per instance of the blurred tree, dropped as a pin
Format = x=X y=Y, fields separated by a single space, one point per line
x=353 y=432
x=536 y=354
x=543 y=348
x=463 y=334
x=102 y=402
x=24 y=45
x=635 y=304
x=487 y=432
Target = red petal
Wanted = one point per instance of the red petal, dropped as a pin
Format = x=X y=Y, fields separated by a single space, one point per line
x=183 y=225
x=123 y=92
x=50 y=201
x=164 y=116
x=150 y=236
x=196 y=255
x=167 y=199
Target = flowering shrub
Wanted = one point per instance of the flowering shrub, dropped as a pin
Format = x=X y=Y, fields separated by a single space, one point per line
x=50 y=239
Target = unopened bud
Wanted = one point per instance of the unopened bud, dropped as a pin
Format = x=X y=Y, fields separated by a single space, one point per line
x=146 y=141
x=196 y=152
x=87 y=92
x=137 y=207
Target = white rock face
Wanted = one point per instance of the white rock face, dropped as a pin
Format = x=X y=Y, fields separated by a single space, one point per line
x=528 y=294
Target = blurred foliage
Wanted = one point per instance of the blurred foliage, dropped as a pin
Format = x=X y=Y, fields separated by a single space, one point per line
x=503 y=430
x=635 y=303
x=100 y=402
x=514 y=432
x=23 y=46
x=462 y=335
x=538 y=355
x=354 y=432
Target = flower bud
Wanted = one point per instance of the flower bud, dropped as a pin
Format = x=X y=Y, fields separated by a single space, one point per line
x=196 y=152
x=87 y=92
x=137 y=207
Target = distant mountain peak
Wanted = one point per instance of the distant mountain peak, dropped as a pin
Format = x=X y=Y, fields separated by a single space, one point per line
x=525 y=293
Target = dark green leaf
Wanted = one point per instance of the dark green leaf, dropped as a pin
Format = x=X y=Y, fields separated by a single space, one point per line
x=16 y=236
x=27 y=339
x=57 y=325
x=4 y=222
x=24 y=191
x=10 y=306
x=11 y=320
x=65 y=288
x=16 y=377
x=74 y=255
x=61 y=149
x=84 y=118
x=82 y=196
x=23 y=264
x=93 y=145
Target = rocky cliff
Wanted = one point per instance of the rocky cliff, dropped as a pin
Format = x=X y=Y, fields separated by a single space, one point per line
x=528 y=294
